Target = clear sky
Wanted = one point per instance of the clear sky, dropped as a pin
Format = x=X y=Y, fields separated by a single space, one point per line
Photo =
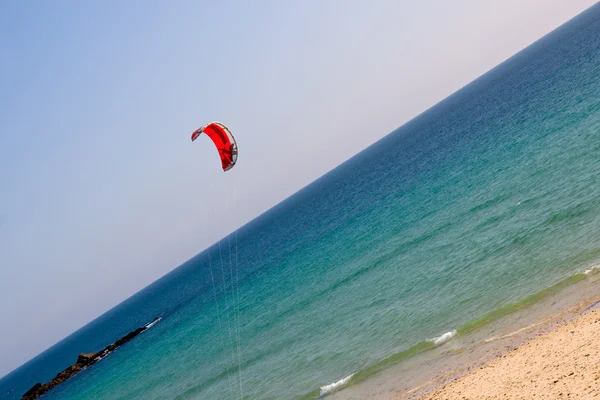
x=102 y=191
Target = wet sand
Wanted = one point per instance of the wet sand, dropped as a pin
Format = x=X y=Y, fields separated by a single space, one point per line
x=562 y=364
x=516 y=357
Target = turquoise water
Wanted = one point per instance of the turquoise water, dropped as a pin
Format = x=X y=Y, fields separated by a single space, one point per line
x=487 y=198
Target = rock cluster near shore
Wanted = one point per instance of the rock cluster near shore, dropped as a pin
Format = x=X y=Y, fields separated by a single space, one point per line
x=83 y=361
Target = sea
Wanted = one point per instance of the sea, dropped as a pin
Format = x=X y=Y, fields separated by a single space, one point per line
x=474 y=206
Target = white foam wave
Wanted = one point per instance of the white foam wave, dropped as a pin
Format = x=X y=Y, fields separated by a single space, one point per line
x=444 y=338
x=331 y=387
x=491 y=339
x=592 y=269
x=153 y=322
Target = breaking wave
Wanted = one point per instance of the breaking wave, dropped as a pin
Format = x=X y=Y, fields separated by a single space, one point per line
x=336 y=385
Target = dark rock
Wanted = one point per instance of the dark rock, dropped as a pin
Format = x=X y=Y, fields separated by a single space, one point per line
x=84 y=360
x=33 y=389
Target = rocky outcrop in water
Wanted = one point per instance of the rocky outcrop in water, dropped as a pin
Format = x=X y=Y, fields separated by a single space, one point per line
x=83 y=361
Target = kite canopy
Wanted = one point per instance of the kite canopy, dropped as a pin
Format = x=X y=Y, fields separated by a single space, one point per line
x=223 y=140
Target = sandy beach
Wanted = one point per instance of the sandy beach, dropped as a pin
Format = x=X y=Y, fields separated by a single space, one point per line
x=561 y=364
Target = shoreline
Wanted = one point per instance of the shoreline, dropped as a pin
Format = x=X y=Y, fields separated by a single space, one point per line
x=476 y=344
x=562 y=363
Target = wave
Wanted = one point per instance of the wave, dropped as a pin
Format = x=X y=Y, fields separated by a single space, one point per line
x=336 y=385
x=153 y=322
x=381 y=365
x=440 y=340
x=594 y=269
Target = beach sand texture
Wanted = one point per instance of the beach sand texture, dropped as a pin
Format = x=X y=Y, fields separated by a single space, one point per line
x=561 y=364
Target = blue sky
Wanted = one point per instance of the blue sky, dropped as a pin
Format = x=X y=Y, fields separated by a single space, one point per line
x=102 y=190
